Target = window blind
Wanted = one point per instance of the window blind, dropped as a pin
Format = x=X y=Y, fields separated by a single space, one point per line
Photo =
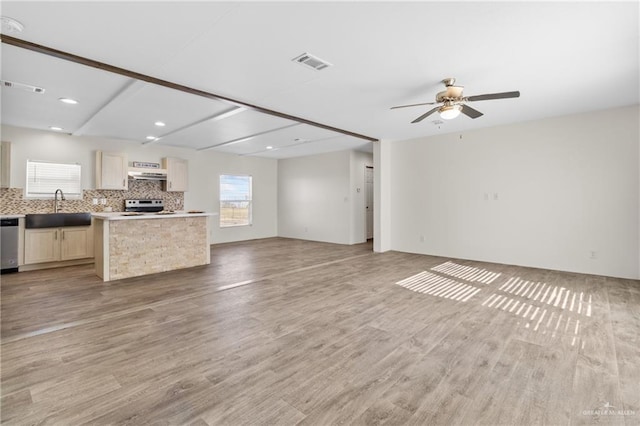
x=44 y=178
x=235 y=200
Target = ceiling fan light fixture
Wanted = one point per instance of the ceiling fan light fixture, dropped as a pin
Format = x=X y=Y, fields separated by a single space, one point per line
x=453 y=103
x=449 y=112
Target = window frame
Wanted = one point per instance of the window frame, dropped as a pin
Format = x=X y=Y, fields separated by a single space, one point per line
x=249 y=201
x=69 y=194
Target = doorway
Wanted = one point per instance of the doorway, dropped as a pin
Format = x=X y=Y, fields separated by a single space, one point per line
x=368 y=190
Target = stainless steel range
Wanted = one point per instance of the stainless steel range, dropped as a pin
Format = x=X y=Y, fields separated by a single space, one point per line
x=143 y=206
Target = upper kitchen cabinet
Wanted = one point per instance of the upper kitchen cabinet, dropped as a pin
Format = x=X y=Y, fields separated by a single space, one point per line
x=177 y=174
x=111 y=170
x=5 y=165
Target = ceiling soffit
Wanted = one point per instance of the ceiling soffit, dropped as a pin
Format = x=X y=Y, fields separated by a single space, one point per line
x=132 y=102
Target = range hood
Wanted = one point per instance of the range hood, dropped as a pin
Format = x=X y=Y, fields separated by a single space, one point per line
x=147 y=174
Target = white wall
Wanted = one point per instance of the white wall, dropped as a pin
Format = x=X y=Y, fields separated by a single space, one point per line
x=204 y=170
x=565 y=187
x=322 y=197
x=382 y=178
x=314 y=200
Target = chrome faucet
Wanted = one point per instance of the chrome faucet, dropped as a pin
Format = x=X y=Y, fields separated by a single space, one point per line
x=56 y=208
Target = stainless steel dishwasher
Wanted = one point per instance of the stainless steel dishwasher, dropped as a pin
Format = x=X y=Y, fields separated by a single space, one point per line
x=8 y=245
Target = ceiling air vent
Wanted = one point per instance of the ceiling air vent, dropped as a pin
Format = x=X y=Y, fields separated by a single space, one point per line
x=22 y=86
x=311 y=61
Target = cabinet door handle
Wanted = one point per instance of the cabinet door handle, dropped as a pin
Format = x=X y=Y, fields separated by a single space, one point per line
x=63 y=234
x=123 y=183
x=55 y=236
x=170 y=185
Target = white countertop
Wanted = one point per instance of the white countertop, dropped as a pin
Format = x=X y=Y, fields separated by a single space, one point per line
x=11 y=216
x=128 y=216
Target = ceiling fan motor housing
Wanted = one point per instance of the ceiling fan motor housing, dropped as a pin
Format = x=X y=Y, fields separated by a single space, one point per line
x=452 y=93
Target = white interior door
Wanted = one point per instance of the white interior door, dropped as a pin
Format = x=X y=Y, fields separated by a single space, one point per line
x=368 y=184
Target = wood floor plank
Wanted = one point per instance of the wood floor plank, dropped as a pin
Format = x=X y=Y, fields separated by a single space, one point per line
x=593 y=393
x=383 y=413
x=14 y=405
x=456 y=367
x=357 y=348
x=551 y=380
x=270 y=411
x=358 y=387
x=624 y=299
x=503 y=387
x=323 y=335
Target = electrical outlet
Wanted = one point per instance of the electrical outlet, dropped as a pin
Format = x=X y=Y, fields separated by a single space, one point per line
x=495 y=196
x=95 y=201
x=103 y=201
x=593 y=254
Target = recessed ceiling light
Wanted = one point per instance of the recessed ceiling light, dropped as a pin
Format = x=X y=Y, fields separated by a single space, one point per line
x=56 y=128
x=10 y=25
x=269 y=147
x=68 y=101
x=159 y=124
x=151 y=138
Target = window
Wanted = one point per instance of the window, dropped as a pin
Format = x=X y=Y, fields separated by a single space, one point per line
x=235 y=200
x=44 y=178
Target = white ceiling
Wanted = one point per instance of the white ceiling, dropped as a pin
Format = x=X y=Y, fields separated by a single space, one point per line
x=564 y=58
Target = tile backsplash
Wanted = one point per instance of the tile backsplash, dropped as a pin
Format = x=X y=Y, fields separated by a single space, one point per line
x=13 y=202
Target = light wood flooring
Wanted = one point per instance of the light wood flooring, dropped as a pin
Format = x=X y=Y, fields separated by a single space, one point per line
x=281 y=331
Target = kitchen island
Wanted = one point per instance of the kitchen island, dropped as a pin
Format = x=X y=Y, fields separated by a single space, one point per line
x=130 y=245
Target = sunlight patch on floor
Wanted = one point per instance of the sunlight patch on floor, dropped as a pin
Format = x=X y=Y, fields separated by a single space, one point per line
x=435 y=285
x=467 y=273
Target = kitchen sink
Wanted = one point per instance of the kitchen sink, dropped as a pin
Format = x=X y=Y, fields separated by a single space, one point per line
x=57 y=220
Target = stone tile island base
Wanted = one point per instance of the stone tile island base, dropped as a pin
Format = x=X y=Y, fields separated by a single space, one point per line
x=139 y=245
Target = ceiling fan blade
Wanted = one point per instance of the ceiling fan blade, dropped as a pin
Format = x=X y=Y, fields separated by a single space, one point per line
x=425 y=115
x=471 y=112
x=413 y=105
x=488 y=96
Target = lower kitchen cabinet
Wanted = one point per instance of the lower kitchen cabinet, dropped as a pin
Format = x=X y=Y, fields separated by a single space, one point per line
x=57 y=244
x=41 y=245
x=76 y=243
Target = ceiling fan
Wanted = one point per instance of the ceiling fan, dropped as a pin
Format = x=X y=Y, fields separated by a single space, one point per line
x=453 y=103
